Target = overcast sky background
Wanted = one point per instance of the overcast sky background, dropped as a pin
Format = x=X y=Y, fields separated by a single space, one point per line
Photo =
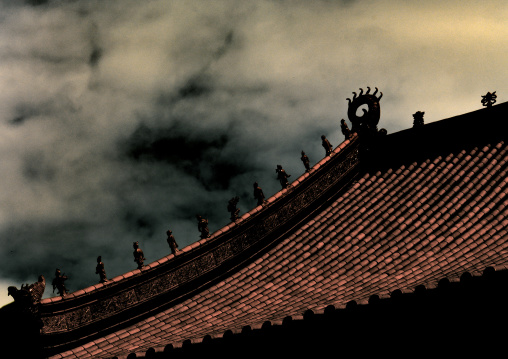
x=122 y=119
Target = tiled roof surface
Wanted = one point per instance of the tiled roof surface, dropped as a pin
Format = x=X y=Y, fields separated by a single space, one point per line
x=393 y=229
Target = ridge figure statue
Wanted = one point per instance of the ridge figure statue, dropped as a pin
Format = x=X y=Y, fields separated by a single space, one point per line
x=345 y=129
x=58 y=283
x=203 y=226
x=139 y=257
x=258 y=194
x=232 y=208
x=282 y=176
x=326 y=145
x=100 y=270
x=172 y=242
x=306 y=162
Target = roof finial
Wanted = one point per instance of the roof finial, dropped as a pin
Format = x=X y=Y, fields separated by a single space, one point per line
x=489 y=99
x=418 y=119
x=29 y=296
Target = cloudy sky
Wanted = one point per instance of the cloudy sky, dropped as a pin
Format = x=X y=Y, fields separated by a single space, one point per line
x=122 y=119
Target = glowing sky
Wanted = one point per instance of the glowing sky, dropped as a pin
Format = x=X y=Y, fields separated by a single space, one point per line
x=121 y=119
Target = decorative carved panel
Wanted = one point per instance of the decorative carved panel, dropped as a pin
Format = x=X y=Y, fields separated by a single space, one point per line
x=222 y=253
x=78 y=317
x=205 y=263
x=56 y=323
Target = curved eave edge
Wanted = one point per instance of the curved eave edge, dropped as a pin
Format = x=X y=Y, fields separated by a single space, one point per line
x=454 y=286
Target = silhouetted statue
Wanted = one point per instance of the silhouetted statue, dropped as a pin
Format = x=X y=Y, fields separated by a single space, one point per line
x=489 y=99
x=172 y=242
x=306 y=162
x=282 y=176
x=345 y=129
x=139 y=257
x=203 y=227
x=258 y=194
x=232 y=208
x=100 y=270
x=418 y=119
x=29 y=295
x=326 y=145
x=58 y=283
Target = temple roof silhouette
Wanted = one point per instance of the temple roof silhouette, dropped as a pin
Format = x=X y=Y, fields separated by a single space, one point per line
x=409 y=210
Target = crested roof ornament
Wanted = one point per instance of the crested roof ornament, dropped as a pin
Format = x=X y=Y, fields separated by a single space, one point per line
x=489 y=99
x=418 y=119
x=29 y=296
x=366 y=123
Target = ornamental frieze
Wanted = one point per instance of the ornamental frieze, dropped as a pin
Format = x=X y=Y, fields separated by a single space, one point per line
x=56 y=323
x=186 y=273
x=239 y=244
x=205 y=263
x=78 y=317
x=222 y=253
x=170 y=280
x=149 y=289
x=107 y=307
x=270 y=223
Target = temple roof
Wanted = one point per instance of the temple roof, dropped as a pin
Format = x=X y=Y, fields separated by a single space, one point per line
x=427 y=204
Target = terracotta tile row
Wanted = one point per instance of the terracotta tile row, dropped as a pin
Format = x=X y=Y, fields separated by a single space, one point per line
x=396 y=229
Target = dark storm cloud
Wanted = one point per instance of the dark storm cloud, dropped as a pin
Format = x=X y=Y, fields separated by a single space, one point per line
x=95 y=56
x=38 y=168
x=96 y=50
x=194 y=87
x=201 y=83
x=36 y=2
x=199 y=157
x=121 y=119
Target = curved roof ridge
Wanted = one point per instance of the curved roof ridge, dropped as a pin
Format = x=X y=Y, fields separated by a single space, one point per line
x=214 y=236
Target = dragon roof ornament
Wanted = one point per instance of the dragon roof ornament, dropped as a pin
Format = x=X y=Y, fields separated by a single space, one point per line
x=29 y=296
x=371 y=115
